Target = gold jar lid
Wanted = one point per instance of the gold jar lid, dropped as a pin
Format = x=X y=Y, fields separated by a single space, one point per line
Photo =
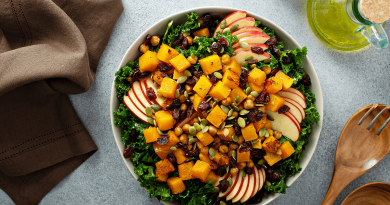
x=376 y=11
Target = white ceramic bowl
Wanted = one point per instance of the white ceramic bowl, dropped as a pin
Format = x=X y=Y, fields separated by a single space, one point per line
x=159 y=28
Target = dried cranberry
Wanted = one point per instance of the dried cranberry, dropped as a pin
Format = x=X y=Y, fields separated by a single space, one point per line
x=151 y=94
x=176 y=113
x=254 y=115
x=221 y=171
x=203 y=106
x=132 y=136
x=283 y=109
x=135 y=75
x=218 y=201
x=198 y=74
x=194 y=153
x=237 y=128
x=261 y=97
x=188 y=102
x=245 y=147
x=306 y=80
x=206 y=20
x=266 y=98
x=223 y=185
x=277 y=165
x=128 y=152
x=271 y=41
x=287 y=59
x=276 y=51
x=144 y=74
x=183 y=114
x=181 y=87
x=258 y=153
x=163 y=67
x=163 y=139
x=168 y=107
x=272 y=175
x=252 y=61
x=176 y=103
x=257 y=50
x=223 y=42
x=184 y=44
x=232 y=162
x=191 y=81
x=248 y=171
x=171 y=158
x=243 y=78
x=190 y=111
x=213 y=79
x=147 y=39
x=274 y=71
x=216 y=47
x=182 y=146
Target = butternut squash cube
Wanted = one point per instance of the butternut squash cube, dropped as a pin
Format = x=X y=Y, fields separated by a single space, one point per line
x=205 y=158
x=161 y=177
x=205 y=138
x=224 y=160
x=257 y=145
x=202 y=32
x=199 y=144
x=201 y=170
x=273 y=85
x=268 y=125
x=164 y=120
x=217 y=156
x=231 y=79
x=210 y=64
x=261 y=123
x=158 y=77
x=287 y=149
x=180 y=63
x=162 y=150
x=180 y=156
x=164 y=166
x=243 y=156
x=151 y=134
x=275 y=102
x=168 y=87
x=185 y=170
x=176 y=185
x=230 y=132
x=237 y=92
x=256 y=88
x=286 y=80
x=148 y=61
x=203 y=86
x=166 y=53
x=257 y=76
x=271 y=144
x=177 y=75
x=233 y=66
x=216 y=117
x=212 y=176
x=197 y=100
x=219 y=91
x=272 y=158
x=173 y=139
x=249 y=132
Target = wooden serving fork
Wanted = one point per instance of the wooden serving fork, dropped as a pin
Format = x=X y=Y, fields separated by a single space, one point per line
x=363 y=142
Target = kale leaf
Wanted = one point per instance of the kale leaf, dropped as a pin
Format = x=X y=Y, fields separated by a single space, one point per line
x=189 y=26
x=122 y=85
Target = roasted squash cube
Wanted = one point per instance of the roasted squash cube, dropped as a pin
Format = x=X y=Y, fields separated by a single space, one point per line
x=205 y=158
x=286 y=80
x=203 y=86
x=162 y=150
x=176 y=185
x=230 y=132
x=164 y=166
x=243 y=156
x=272 y=158
x=197 y=100
x=211 y=176
x=161 y=177
x=249 y=132
x=273 y=85
x=261 y=123
x=217 y=156
x=275 y=102
x=180 y=63
x=287 y=149
x=173 y=139
x=199 y=144
x=166 y=53
x=168 y=87
x=210 y=64
x=205 y=138
x=237 y=92
x=158 y=77
x=201 y=170
x=257 y=76
x=177 y=75
x=231 y=79
x=233 y=66
x=268 y=125
x=256 y=88
x=202 y=32
x=216 y=116
x=164 y=120
x=185 y=170
x=257 y=145
x=151 y=134
x=180 y=156
x=271 y=144
x=148 y=61
x=219 y=91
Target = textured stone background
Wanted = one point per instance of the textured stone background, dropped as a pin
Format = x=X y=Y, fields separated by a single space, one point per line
x=349 y=81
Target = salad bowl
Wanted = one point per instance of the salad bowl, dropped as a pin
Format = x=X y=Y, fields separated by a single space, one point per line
x=159 y=28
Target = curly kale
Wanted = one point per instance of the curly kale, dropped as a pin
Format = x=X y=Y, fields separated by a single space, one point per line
x=122 y=85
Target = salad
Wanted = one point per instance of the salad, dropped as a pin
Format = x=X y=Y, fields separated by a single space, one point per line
x=215 y=111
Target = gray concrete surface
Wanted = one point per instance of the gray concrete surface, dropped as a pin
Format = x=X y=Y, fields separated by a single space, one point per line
x=349 y=81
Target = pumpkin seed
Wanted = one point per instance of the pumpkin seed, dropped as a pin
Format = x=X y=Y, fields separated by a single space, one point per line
x=260 y=162
x=156 y=107
x=177 y=94
x=266 y=134
x=234 y=154
x=234 y=27
x=159 y=131
x=209 y=99
x=235 y=138
x=231 y=125
x=270 y=118
x=185 y=94
x=235 y=107
x=244 y=112
x=150 y=120
x=202 y=126
x=248 y=58
x=197 y=127
x=243 y=64
x=154 y=123
x=247 y=84
x=244 y=45
x=262 y=132
x=204 y=122
x=226 y=132
x=182 y=79
x=225 y=109
x=254 y=141
x=223 y=24
x=248 y=90
x=226 y=30
x=227 y=169
x=255 y=94
x=194 y=147
x=222 y=126
x=230 y=118
x=241 y=122
x=268 y=183
x=149 y=111
x=230 y=180
x=222 y=50
x=192 y=140
x=173 y=148
x=259 y=105
x=192 y=130
x=268 y=60
x=214 y=104
x=230 y=113
x=218 y=75
x=216 y=189
x=200 y=119
x=243 y=174
x=187 y=73
x=205 y=129
x=211 y=153
x=237 y=99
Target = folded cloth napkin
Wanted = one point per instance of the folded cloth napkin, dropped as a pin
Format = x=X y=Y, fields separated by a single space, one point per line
x=48 y=49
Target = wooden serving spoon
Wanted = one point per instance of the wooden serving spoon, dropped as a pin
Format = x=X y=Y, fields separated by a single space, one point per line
x=371 y=193
x=363 y=142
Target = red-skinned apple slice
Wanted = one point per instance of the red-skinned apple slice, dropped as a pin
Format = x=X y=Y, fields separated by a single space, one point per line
x=300 y=108
x=226 y=176
x=235 y=179
x=253 y=180
x=293 y=96
x=258 y=38
x=136 y=88
x=291 y=116
x=248 y=33
x=242 y=55
x=246 y=29
x=129 y=104
x=258 y=181
x=294 y=110
x=244 y=188
x=148 y=83
x=241 y=23
x=262 y=172
x=237 y=188
x=293 y=90
x=230 y=18
x=238 y=48
x=285 y=124
x=135 y=102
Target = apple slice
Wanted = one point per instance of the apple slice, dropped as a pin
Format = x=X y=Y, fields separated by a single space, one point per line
x=132 y=107
x=244 y=188
x=226 y=176
x=246 y=29
x=229 y=19
x=294 y=119
x=236 y=188
x=243 y=22
x=242 y=55
x=297 y=105
x=294 y=110
x=293 y=96
x=285 y=124
x=258 y=181
x=136 y=88
x=258 y=38
x=248 y=33
x=148 y=83
x=238 y=48
x=235 y=179
x=253 y=180
x=262 y=173
x=293 y=90
x=186 y=120
x=135 y=102
x=263 y=170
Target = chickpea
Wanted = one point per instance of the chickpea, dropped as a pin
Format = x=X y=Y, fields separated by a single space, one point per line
x=235 y=114
x=192 y=98
x=262 y=109
x=277 y=134
x=178 y=131
x=182 y=98
x=233 y=171
x=183 y=107
x=250 y=164
x=270 y=132
x=253 y=66
x=240 y=140
x=249 y=104
x=155 y=40
x=250 y=97
x=223 y=149
x=229 y=100
x=230 y=153
x=225 y=59
x=190 y=40
x=190 y=146
x=217 y=139
x=225 y=102
x=199 y=145
x=184 y=139
x=195 y=120
x=267 y=70
x=188 y=88
x=186 y=128
x=213 y=131
x=203 y=114
x=216 y=146
x=143 y=48
x=193 y=59
x=213 y=165
x=279 y=152
x=233 y=145
x=240 y=106
x=211 y=102
x=205 y=150
x=241 y=165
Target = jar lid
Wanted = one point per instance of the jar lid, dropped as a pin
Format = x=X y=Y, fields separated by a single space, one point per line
x=376 y=11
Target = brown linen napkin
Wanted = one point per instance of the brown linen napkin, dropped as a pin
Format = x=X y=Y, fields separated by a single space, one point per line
x=48 y=49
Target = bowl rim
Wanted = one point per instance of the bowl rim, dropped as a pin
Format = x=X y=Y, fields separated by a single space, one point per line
x=318 y=101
